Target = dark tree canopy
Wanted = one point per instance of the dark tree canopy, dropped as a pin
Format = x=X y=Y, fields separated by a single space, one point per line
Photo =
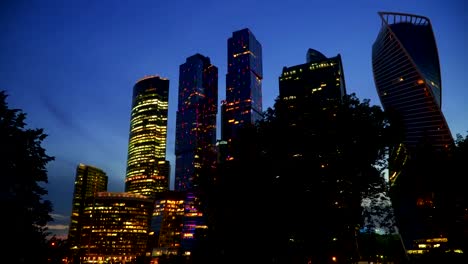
x=23 y=169
x=293 y=191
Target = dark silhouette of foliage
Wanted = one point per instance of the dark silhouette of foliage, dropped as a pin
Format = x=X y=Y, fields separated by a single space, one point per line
x=23 y=169
x=57 y=250
x=293 y=191
x=458 y=200
x=429 y=199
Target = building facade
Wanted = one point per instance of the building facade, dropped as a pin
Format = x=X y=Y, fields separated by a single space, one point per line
x=116 y=228
x=310 y=95
x=320 y=78
x=147 y=167
x=407 y=76
x=196 y=120
x=195 y=146
x=405 y=63
x=89 y=181
x=243 y=103
x=167 y=224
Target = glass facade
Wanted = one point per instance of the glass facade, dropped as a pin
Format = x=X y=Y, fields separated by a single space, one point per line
x=167 y=223
x=320 y=78
x=194 y=221
x=147 y=168
x=243 y=103
x=89 y=180
x=196 y=120
x=407 y=76
x=115 y=227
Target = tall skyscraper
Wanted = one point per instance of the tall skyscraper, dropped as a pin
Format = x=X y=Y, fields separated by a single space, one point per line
x=243 y=103
x=147 y=167
x=89 y=181
x=196 y=120
x=407 y=76
x=319 y=78
x=309 y=93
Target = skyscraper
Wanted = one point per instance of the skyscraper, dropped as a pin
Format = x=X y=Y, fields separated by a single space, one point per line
x=167 y=223
x=407 y=76
x=196 y=120
x=310 y=95
x=89 y=181
x=147 y=167
x=243 y=103
x=319 y=78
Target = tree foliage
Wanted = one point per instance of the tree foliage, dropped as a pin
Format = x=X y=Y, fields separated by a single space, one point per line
x=23 y=170
x=297 y=179
x=429 y=197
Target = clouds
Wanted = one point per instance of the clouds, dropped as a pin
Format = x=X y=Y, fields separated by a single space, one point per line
x=59 y=226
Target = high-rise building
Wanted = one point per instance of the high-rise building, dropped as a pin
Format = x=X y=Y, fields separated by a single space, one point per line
x=167 y=223
x=408 y=80
x=407 y=76
x=320 y=78
x=309 y=94
x=243 y=103
x=195 y=146
x=89 y=181
x=116 y=228
x=196 y=120
x=147 y=167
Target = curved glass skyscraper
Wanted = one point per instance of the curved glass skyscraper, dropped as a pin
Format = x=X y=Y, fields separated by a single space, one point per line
x=407 y=77
x=147 y=168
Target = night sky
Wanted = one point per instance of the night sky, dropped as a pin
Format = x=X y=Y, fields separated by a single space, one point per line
x=71 y=65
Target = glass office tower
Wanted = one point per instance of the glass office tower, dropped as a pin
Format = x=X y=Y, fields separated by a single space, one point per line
x=319 y=78
x=147 y=168
x=243 y=103
x=195 y=146
x=89 y=181
x=407 y=76
x=167 y=224
x=196 y=120
x=406 y=69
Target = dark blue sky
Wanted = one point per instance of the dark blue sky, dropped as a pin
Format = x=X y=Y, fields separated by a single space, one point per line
x=71 y=65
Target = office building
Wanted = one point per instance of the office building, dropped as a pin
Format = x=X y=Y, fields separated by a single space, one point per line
x=319 y=79
x=406 y=69
x=243 y=102
x=89 y=180
x=116 y=228
x=195 y=145
x=407 y=76
x=310 y=93
x=167 y=224
x=147 y=167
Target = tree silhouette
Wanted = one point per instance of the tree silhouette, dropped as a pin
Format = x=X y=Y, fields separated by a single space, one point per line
x=293 y=192
x=22 y=166
x=459 y=231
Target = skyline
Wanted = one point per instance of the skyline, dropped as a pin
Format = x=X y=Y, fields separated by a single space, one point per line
x=71 y=66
